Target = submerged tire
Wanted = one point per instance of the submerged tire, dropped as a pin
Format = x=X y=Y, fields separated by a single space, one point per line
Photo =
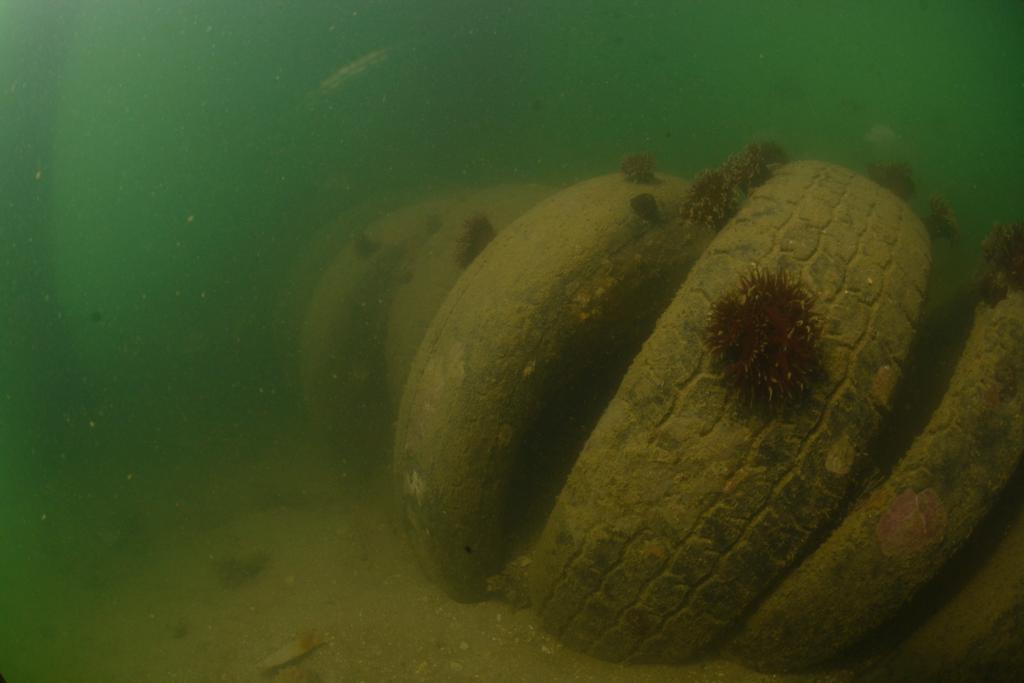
x=978 y=633
x=433 y=270
x=575 y=281
x=686 y=503
x=340 y=357
x=907 y=528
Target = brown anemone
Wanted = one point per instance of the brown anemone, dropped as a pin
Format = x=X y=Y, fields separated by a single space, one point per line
x=638 y=168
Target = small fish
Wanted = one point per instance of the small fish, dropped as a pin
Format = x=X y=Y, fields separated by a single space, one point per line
x=353 y=68
x=880 y=134
x=292 y=650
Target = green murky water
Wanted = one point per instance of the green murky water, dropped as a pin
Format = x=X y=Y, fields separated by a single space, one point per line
x=175 y=176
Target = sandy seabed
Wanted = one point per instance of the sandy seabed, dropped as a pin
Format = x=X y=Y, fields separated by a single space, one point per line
x=279 y=540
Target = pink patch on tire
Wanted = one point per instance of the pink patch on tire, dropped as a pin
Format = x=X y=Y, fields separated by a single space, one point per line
x=912 y=523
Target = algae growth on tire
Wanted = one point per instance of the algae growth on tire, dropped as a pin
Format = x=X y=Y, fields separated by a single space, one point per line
x=896 y=540
x=698 y=508
x=685 y=505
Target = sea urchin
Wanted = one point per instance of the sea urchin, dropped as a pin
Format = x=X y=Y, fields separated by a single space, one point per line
x=638 y=168
x=753 y=165
x=710 y=200
x=1004 y=253
x=766 y=333
x=1004 y=250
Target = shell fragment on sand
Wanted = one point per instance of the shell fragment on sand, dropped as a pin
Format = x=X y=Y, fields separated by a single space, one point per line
x=297 y=647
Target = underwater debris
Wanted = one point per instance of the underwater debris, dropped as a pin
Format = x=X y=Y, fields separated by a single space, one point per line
x=237 y=570
x=300 y=646
x=638 y=168
x=1004 y=253
x=710 y=200
x=941 y=221
x=477 y=233
x=753 y=165
x=646 y=207
x=896 y=177
x=766 y=332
